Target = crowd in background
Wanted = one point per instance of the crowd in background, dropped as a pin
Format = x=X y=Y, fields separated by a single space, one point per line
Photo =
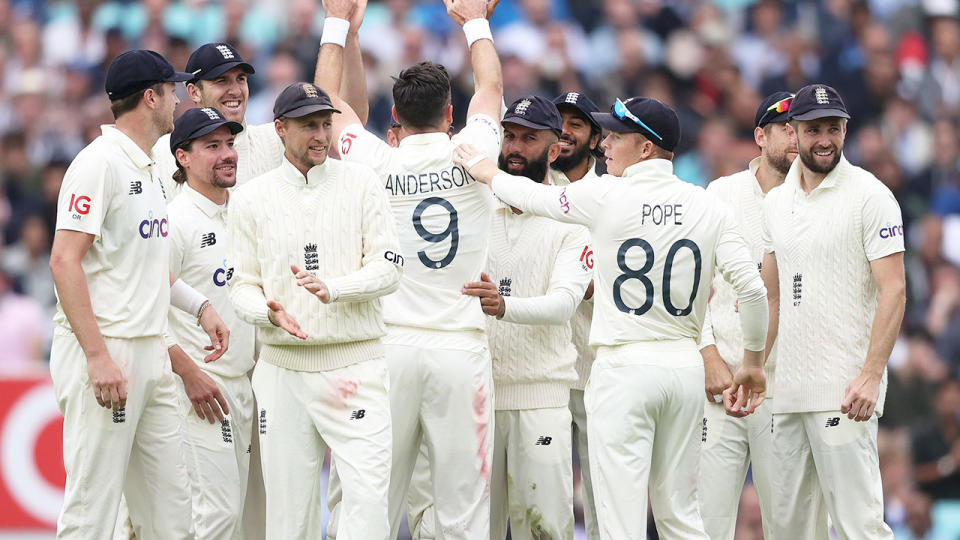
x=895 y=62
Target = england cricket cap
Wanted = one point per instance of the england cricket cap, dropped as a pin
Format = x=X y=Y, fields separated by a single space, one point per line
x=213 y=60
x=137 y=70
x=534 y=112
x=580 y=103
x=817 y=101
x=774 y=110
x=196 y=123
x=300 y=99
x=646 y=116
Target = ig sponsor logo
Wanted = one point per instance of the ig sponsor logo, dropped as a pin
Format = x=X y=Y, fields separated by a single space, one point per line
x=891 y=231
x=79 y=205
x=152 y=227
x=221 y=276
x=586 y=258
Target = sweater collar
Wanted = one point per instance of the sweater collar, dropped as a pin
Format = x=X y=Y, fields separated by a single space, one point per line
x=315 y=176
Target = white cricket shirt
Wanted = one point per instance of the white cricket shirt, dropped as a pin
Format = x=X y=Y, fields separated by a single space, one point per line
x=742 y=193
x=259 y=149
x=824 y=243
x=656 y=241
x=112 y=191
x=442 y=216
x=198 y=256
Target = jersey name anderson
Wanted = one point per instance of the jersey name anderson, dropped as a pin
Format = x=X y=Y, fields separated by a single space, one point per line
x=404 y=183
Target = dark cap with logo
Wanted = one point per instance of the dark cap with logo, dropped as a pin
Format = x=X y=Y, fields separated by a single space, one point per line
x=580 y=102
x=817 y=101
x=137 y=70
x=534 y=112
x=300 y=99
x=196 y=123
x=646 y=116
x=213 y=60
x=775 y=109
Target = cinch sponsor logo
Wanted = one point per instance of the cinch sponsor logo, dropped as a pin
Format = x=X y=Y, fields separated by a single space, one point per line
x=152 y=228
x=564 y=203
x=891 y=231
x=80 y=205
x=222 y=276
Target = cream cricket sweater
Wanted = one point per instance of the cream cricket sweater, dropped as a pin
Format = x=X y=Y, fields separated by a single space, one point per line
x=335 y=223
x=536 y=263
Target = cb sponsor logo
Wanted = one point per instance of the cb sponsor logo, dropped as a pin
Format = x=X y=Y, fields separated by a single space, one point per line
x=222 y=275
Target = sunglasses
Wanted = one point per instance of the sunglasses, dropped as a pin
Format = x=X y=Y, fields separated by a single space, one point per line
x=781 y=106
x=621 y=112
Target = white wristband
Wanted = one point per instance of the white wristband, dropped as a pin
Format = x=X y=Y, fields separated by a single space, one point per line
x=335 y=31
x=185 y=297
x=475 y=29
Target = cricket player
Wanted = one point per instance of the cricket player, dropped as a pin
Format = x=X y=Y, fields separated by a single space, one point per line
x=731 y=445
x=219 y=80
x=833 y=243
x=314 y=247
x=656 y=242
x=579 y=142
x=110 y=266
x=216 y=398
x=440 y=373
x=542 y=280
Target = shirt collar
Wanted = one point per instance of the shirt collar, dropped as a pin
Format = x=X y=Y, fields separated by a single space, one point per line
x=314 y=177
x=208 y=207
x=830 y=181
x=643 y=169
x=753 y=167
x=139 y=158
x=423 y=139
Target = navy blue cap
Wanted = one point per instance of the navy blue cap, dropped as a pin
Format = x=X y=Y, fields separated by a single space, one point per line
x=534 y=112
x=137 y=70
x=580 y=102
x=646 y=116
x=775 y=109
x=196 y=123
x=300 y=99
x=817 y=101
x=213 y=60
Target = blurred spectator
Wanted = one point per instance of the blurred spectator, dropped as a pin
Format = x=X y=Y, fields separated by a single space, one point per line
x=22 y=332
x=936 y=445
x=70 y=38
x=761 y=53
x=912 y=381
x=28 y=262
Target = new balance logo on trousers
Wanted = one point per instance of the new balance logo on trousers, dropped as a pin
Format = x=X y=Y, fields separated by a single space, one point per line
x=833 y=422
x=358 y=414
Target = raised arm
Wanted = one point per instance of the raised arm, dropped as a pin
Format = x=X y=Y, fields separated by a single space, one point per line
x=339 y=33
x=473 y=16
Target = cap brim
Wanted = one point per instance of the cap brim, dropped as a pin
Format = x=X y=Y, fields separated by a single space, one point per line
x=589 y=114
x=527 y=123
x=179 y=76
x=612 y=123
x=307 y=109
x=820 y=113
x=223 y=68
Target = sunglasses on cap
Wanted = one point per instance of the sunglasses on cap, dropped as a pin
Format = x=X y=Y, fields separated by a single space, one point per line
x=779 y=107
x=621 y=112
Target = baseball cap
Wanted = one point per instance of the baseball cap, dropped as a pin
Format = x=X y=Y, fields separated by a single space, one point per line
x=817 y=101
x=196 y=123
x=137 y=70
x=213 y=60
x=534 y=112
x=774 y=109
x=646 y=116
x=580 y=102
x=300 y=99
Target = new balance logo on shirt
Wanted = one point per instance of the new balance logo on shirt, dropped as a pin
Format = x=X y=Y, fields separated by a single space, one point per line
x=544 y=441
x=833 y=422
x=358 y=414
x=120 y=416
x=136 y=187
x=208 y=239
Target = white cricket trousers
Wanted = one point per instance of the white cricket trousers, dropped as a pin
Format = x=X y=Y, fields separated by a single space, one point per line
x=301 y=414
x=532 y=475
x=579 y=415
x=827 y=463
x=644 y=406
x=730 y=446
x=420 y=512
x=136 y=452
x=218 y=460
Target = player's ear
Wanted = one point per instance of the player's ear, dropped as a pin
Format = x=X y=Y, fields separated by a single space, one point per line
x=280 y=127
x=553 y=152
x=193 y=90
x=393 y=113
x=595 y=141
x=759 y=136
x=182 y=157
x=448 y=114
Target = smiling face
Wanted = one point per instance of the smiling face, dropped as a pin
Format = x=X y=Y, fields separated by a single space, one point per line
x=576 y=141
x=778 y=145
x=211 y=159
x=306 y=139
x=227 y=93
x=527 y=151
x=820 y=142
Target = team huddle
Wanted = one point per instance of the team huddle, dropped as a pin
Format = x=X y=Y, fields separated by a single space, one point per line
x=451 y=315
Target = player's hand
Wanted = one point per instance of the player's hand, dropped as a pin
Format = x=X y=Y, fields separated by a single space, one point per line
x=109 y=384
x=311 y=283
x=356 y=20
x=219 y=334
x=860 y=398
x=479 y=166
x=208 y=401
x=279 y=317
x=340 y=9
x=747 y=391
x=490 y=300
x=462 y=11
x=717 y=376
